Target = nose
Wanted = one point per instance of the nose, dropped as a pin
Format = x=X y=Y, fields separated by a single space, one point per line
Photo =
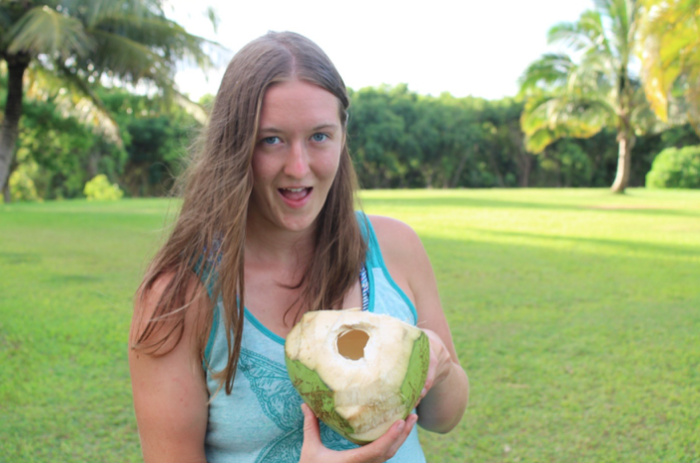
x=297 y=162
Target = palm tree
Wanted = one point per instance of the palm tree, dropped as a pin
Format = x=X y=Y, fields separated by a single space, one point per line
x=81 y=43
x=578 y=98
x=670 y=52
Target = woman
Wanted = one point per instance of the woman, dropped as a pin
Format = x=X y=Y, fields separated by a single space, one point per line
x=267 y=232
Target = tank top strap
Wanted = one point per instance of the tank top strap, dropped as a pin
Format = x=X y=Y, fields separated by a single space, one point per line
x=374 y=257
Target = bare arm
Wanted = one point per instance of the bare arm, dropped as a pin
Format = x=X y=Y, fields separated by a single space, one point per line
x=170 y=395
x=447 y=387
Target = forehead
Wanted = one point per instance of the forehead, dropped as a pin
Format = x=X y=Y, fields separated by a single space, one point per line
x=296 y=102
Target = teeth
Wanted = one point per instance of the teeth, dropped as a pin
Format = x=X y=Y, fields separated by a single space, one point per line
x=295 y=190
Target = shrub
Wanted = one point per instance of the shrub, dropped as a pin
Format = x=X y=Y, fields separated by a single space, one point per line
x=21 y=184
x=100 y=189
x=676 y=168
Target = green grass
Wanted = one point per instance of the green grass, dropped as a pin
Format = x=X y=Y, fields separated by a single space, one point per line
x=575 y=313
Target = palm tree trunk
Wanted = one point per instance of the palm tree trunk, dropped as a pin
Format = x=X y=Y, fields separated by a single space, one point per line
x=624 y=161
x=9 y=129
x=6 y=197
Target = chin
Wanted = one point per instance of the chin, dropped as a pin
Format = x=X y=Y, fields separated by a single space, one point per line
x=297 y=224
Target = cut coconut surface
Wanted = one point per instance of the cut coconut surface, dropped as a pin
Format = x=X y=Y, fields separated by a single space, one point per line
x=359 y=372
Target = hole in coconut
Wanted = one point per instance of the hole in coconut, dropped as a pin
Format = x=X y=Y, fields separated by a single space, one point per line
x=351 y=344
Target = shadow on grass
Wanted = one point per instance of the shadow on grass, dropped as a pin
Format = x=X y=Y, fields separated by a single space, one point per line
x=61 y=279
x=490 y=203
x=16 y=258
x=617 y=246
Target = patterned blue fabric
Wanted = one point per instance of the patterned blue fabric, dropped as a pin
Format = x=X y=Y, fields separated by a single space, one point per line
x=261 y=420
x=364 y=284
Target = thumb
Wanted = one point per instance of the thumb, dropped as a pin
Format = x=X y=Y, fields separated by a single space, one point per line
x=312 y=434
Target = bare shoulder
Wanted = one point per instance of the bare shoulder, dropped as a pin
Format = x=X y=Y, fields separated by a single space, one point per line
x=393 y=234
x=169 y=388
x=148 y=299
x=404 y=255
x=399 y=243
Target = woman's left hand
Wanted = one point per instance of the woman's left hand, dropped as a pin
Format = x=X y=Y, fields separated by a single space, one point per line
x=440 y=362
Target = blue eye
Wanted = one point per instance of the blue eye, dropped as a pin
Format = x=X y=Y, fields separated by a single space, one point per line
x=319 y=137
x=271 y=140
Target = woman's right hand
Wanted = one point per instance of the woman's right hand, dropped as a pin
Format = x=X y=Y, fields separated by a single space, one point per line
x=379 y=451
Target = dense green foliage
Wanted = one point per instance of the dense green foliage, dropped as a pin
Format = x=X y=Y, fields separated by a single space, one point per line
x=397 y=138
x=574 y=313
x=401 y=139
x=58 y=154
x=66 y=49
x=676 y=168
x=62 y=153
x=157 y=142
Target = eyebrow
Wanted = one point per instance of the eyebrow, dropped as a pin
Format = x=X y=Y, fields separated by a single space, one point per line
x=314 y=129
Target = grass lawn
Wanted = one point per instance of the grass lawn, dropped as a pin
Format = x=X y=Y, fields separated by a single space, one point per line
x=576 y=314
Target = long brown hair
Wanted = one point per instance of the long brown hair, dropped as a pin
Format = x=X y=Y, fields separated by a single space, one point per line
x=216 y=190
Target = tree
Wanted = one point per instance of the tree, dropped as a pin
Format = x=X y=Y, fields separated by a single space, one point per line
x=81 y=42
x=579 y=99
x=670 y=55
x=504 y=142
x=377 y=135
x=157 y=141
x=60 y=152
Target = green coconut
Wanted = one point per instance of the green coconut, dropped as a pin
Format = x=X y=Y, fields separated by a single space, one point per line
x=359 y=372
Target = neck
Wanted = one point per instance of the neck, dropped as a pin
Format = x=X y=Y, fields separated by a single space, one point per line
x=265 y=243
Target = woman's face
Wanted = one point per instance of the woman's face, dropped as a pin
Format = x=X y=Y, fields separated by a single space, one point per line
x=296 y=155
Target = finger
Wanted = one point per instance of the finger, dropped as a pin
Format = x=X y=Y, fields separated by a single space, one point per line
x=378 y=450
x=312 y=434
x=410 y=422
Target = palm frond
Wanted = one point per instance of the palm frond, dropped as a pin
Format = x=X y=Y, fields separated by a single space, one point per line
x=192 y=108
x=5 y=20
x=91 y=12
x=604 y=5
x=168 y=38
x=213 y=17
x=586 y=35
x=622 y=15
x=669 y=51
x=130 y=61
x=606 y=65
x=592 y=24
x=692 y=97
x=44 y=30
x=550 y=71
x=645 y=120
x=550 y=117
x=570 y=35
x=72 y=97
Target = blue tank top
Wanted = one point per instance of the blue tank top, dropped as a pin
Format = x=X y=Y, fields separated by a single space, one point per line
x=261 y=420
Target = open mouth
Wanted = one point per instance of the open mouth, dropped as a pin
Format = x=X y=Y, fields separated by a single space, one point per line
x=295 y=194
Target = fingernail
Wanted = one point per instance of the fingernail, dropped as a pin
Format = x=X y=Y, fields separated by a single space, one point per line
x=402 y=425
x=422 y=393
